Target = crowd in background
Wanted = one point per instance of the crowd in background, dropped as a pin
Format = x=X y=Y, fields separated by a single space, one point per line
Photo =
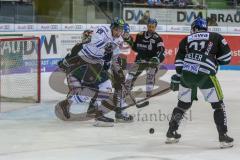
x=177 y=3
x=235 y=2
x=165 y=3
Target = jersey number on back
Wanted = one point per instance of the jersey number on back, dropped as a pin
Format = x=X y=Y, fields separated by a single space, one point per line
x=198 y=46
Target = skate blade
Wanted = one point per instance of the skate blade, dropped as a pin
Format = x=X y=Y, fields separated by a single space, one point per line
x=103 y=124
x=123 y=121
x=226 y=145
x=171 y=141
x=91 y=115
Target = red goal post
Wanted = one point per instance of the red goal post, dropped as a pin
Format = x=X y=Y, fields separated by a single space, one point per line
x=20 y=69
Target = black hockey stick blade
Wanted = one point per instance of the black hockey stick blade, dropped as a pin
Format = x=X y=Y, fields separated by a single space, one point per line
x=141 y=105
x=145 y=99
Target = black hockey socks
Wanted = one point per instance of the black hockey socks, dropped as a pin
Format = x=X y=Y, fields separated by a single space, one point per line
x=178 y=114
x=220 y=117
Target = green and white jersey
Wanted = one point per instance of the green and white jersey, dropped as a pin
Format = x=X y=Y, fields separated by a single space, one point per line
x=202 y=52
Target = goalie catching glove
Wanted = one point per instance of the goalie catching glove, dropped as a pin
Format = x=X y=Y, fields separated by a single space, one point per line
x=175 y=81
x=71 y=59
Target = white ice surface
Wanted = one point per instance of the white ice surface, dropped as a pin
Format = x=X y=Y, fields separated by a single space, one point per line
x=34 y=133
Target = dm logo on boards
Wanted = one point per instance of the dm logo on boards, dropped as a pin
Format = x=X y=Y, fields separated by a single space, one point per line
x=49 y=43
x=133 y=15
x=188 y=16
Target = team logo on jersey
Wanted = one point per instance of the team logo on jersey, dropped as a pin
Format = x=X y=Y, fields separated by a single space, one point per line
x=198 y=36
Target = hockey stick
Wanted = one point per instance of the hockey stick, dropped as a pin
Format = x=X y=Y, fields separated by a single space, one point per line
x=144 y=99
x=145 y=103
x=138 y=104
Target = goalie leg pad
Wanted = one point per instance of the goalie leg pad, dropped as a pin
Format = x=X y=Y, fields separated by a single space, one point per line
x=62 y=110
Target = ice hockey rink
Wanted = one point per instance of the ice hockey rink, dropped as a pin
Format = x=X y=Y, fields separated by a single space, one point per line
x=32 y=131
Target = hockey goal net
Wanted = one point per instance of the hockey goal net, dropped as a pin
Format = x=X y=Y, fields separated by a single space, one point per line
x=20 y=69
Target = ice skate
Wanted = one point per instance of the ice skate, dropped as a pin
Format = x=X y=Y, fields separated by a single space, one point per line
x=92 y=110
x=172 y=137
x=103 y=121
x=225 y=141
x=123 y=118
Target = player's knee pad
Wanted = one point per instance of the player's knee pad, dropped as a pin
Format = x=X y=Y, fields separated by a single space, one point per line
x=184 y=105
x=218 y=105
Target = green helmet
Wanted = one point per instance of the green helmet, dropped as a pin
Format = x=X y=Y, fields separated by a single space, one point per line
x=117 y=22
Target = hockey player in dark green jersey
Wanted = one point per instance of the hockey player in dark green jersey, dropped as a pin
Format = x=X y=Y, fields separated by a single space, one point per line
x=150 y=52
x=197 y=61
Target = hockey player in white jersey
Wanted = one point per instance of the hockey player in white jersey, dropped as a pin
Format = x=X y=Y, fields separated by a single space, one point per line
x=86 y=67
x=114 y=63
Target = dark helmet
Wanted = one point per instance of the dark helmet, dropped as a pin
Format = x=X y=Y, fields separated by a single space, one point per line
x=117 y=22
x=199 y=24
x=152 y=21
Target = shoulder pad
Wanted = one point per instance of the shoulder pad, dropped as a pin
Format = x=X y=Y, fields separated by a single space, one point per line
x=216 y=34
x=106 y=29
x=155 y=35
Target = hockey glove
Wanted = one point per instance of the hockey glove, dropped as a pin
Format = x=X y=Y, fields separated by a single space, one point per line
x=126 y=37
x=154 y=61
x=63 y=65
x=106 y=65
x=60 y=65
x=175 y=81
x=140 y=61
x=86 y=36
